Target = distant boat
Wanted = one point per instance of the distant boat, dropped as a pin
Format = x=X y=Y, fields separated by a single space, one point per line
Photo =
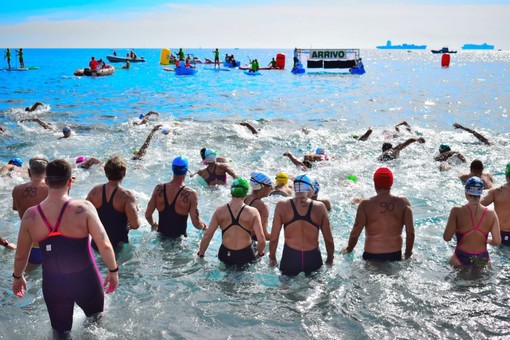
x=116 y=59
x=483 y=46
x=389 y=46
x=443 y=50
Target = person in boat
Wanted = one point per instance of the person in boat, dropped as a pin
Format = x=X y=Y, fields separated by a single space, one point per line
x=261 y=186
x=20 y=56
x=29 y=194
x=238 y=222
x=476 y=169
x=227 y=58
x=476 y=134
x=101 y=64
x=175 y=202
x=114 y=53
x=127 y=65
x=472 y=224
x=390 y=152
x=115 y=205
x=500 y=196
x=303 y=219
x=272 y=63
x=215 y=173
x=93 y=64
x=282 y=187
x=253 y=65
x=216 y=57
x=8 y=57
x=138 y=154
x=296 y=57
x=383 y=217
x=180 y=54
x=233 y=61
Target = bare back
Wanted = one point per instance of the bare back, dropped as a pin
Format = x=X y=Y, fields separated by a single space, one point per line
x=384 y=217
x=184 y=201
x=27 y=195
x=500 y=196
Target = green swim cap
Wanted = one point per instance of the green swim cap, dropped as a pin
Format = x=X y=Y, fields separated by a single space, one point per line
x=507 y=170
x=239 y=187
x=352 y=178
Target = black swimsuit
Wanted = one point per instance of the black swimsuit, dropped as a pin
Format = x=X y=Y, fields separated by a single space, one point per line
x=172 y=224
x=296 y=261
x=114 y=221
x=236 y=257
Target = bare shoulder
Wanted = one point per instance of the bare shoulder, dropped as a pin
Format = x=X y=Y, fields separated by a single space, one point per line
x=81 y=206
x=190 y=190
x=251 y=210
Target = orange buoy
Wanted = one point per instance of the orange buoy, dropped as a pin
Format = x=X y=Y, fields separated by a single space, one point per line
x=445 y=60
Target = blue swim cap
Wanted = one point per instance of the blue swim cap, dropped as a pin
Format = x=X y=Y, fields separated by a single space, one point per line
x=66 y=129
x=180 y=166
x=16 y=161
x=474 y=186
x=141 y=116
x=303 y=183
x=316 y=187
x=320 y=151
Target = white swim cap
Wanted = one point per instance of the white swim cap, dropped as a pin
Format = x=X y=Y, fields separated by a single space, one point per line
x=259 y=179
x=210 y=156
x=303 y=183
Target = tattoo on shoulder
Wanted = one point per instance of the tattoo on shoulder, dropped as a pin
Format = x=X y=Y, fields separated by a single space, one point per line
x=159 y=190
x=387 y=207
x=80 y=209
x=185 y=196
x=29 y=192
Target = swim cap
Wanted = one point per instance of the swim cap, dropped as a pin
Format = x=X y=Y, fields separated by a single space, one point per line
x=507 y=170
x=259 y=180
x=141 y=116
x=66 y=129
x=16 y=161
x=210 y=155
x=383 y=178
x=444 y=148
x=239 y=187
x=165 y=130
x=180 y=166
x=352 y=178
x=474 y=186
x=282 y=178
x=303 y=183
x=316 y=187
x=80 y=159
x=320 y=151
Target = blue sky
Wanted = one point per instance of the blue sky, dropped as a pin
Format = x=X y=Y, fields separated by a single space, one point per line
x=254 y=24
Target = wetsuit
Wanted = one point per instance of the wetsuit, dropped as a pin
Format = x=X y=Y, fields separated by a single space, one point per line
x=213 y=176
x=467 y=258
x=171 y=223
x=114 y=221
x=296 y=261
x=236 y=257
x=69 y=275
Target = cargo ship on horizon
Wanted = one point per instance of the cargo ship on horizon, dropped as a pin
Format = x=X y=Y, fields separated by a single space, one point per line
x=483 y=46
x=389 y=46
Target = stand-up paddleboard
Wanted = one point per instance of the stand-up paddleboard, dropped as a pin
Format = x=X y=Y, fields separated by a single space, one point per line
x=30 y=68
x=169 y=69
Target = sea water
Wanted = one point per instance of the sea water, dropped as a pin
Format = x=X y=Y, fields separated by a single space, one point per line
x=166 y=292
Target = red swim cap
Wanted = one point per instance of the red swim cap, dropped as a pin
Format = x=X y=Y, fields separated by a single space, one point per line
x=383 y=178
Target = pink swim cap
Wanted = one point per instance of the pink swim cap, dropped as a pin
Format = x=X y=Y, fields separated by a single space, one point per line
x=80 y=159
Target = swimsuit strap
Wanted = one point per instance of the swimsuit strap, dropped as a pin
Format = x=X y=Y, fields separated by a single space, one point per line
x=256 y=198
x=59 y=219
x=473 y=225
x=213 y=172
x=177 y=195
x=111 y=197
x=235 y=220
x=307 y=216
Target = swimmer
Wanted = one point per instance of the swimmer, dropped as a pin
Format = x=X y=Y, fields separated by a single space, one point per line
x=29 y=194
x=306 y=164
x=476 y=134
x=145 y=117
x=403 y=123
x=86 y=162
x=383 y=216
x=140 y=153
x=472 y=224
x=66 y=131
x=365 y=136
x=315 y=196
x=302 y=220
x=215 y=173
x=219 y=159
x=282 y=187
x=500 y=196
x=261 y=186
x=174 y=202
x=115 y=205
x=238 y=222
x=250 y=127
x=476 y=169
x=391 y=152
x=38 y=121
x=445 y=152
x=6 y=244
x=63 y=227
x=33 y=107
x=12 y=165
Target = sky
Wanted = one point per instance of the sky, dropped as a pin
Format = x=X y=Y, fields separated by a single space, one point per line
x=253 y=24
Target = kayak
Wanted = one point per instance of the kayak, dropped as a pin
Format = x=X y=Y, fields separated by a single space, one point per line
x=185 y=71
x=116 y=59
x=248 y=73
x=99 y=73
x=298 y=70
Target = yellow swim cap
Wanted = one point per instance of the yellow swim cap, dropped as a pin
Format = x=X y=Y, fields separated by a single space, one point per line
x=282 y=178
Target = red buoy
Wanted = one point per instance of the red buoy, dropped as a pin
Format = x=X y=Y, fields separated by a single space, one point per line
x=280 y=61
x=445 y=60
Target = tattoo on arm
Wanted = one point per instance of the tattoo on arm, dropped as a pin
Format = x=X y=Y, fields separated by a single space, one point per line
x=159 y=190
